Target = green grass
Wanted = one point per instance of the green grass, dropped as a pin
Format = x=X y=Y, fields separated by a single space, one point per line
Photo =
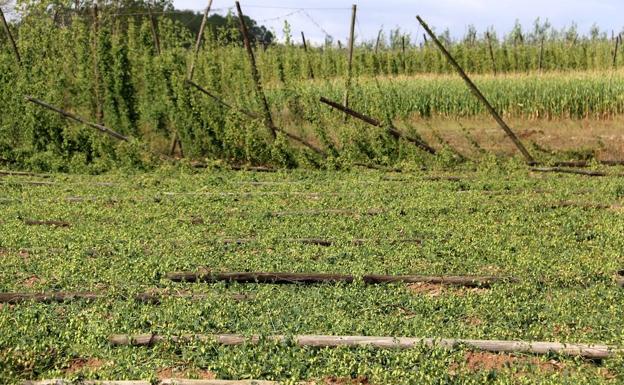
x=497 y=220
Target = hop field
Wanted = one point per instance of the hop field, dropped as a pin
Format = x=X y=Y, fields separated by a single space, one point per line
x=117 y=236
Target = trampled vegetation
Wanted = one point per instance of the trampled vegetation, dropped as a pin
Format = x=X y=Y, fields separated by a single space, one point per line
x=559 y=237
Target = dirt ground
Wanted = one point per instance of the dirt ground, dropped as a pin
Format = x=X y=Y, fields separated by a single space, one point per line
x=578 y=138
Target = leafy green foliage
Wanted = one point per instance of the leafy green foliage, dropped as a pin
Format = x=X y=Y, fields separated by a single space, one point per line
x=125 y=237
x=118 y=77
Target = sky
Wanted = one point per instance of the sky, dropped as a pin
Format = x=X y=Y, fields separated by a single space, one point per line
x=316 y=18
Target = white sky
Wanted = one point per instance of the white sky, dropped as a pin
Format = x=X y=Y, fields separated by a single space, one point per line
x=333 y=16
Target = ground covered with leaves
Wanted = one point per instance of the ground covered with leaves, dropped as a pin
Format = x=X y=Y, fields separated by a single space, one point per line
x=560 y=236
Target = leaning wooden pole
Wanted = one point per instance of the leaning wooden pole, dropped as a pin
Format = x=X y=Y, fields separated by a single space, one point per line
x=77 y=118
x=378 y=41
x=266 y=111
x=541 y=55
x=313 y=278
x=489 y=40
x=305 y=49
x=350 y=58
x=154 y=28
x=478 y=94
x=198 y=41
x=99 y=113
x=374 y=122
x=589 y=351
x=7 y=30
x=618 y=41
x=253 y=115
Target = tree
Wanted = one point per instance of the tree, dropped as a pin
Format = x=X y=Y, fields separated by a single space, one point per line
x=221 y=24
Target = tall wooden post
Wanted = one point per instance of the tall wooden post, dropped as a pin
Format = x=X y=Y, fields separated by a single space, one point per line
x=305 y=49
x=350 y=58
x=541 y=56
x=99 y=113
x=489 y=39
x=154 y=29
x=478 y=94
x=403 y=54
x=10 y=37
x=303 y=41
x=268 y=121
x=378 y=40
x=200 y=36
x=618 y=40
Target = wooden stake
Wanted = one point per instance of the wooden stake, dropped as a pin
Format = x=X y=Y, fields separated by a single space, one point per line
x=154 y=28
x=7 y=30
x=268 y=121
x=305 y=49
x=198 y=41
x=77 y=118
x=489 y=39
x=478 y=94
x=374 y=122
x=350 y=58
x=313 y=278
x=325 y=341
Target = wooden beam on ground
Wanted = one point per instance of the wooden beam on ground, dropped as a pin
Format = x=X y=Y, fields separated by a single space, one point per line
x=152 y=298
x=31 y=222
x=77 y=118
x=314 y=278
x=376 y=123
x=325 y=212
x=475 y=90
x=325 y=242
x=22 y=173
x=569 y=171
x=582 y=163
x=582 y=205
x=170 y=381
x=589 y=351
x=252 y=168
